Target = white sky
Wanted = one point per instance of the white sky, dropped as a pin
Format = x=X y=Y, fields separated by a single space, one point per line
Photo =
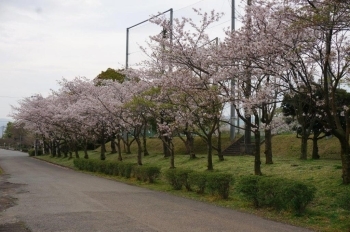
x=42 y=41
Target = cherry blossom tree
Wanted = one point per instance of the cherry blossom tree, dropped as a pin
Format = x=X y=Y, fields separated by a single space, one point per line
x=330 y=19
x=188 y=76
x=251 y=57
x=321 y=51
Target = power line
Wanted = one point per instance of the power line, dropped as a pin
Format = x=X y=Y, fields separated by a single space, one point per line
x=147 y=23
x=130 y=53
x=219 y=24
x=189 y=5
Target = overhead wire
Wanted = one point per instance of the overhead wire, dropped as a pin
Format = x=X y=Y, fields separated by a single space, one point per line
x=146 y=23
x=190 y=5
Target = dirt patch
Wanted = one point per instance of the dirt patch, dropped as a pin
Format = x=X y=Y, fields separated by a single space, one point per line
x=14 y=227
x=7 y=190
x=6 y=202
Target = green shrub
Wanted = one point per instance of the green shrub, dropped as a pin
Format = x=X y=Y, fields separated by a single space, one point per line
x=248 y=186
x=277 y=193
x=146 y=173
x=178 y=177
x=79 y=163
x=297 y=195
x=219 y=183
x=103 y=166
x=31 y=152
x=100 y=166
x=125 y=169
x=90 y=165
x=112 y=168
x=269 y=193
x=197 y=181
x=281 y=193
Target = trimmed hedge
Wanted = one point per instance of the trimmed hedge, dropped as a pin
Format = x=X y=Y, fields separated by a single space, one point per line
x=125 y=169
x=197 y=181
x=118 y=168
x=219 y=183
x=31 y=152
x=146 y=173
x=213 y=182
x=277 y=193
x=248 y=186
x=178 y=177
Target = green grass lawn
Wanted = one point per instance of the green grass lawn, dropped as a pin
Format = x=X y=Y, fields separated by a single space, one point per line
x=323 y=214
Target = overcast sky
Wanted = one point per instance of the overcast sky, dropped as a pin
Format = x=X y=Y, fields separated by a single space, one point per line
x=43 y=41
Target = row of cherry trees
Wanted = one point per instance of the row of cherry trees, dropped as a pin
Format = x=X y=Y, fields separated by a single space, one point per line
x=283 y=48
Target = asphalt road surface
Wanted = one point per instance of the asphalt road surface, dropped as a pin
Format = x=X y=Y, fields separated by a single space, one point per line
x=52 y=198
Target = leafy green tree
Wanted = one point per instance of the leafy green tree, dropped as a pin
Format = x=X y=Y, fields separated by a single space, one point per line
x=17 y=135
x=311 y=119
x=112 y=74
x=8 y=131
x=300 y=108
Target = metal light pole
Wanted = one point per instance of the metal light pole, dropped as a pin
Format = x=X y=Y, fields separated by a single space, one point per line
x=233 y=110
x=127 y=41
x=2 y=131
x=127 y=33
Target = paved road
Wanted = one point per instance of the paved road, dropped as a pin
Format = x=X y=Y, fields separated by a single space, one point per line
x=53 y=198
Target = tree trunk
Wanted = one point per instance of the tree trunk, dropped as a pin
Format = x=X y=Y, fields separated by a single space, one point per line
x=345 y=158
x=172 y=157
x=165 y=147
x=144 y=138
x=247 y=136
x=139 y=151
x=53 y=149
x=189 y=144
x=103 y=148
x=59 y=150
x=257 y=161
x=221 y=157
x=113 y=147
x=46 y=148
x=76 y=150
x=315 y=154
x=268 y=146
x=128 y=145
x=210 y=153
x=304 y=138
x=119 y=148
x=86 y=156
x=69 y=150
x=65 y=149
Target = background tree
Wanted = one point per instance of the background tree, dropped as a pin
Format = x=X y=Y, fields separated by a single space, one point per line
x=187 y=73
x=328 y=48
x=112 y=74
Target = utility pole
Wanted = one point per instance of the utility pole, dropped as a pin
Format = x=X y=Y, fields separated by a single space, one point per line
x=233 y=110
x=2 y=131
x=248 y=89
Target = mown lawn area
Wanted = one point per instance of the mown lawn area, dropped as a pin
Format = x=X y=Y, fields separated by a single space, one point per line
x=325 y=213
